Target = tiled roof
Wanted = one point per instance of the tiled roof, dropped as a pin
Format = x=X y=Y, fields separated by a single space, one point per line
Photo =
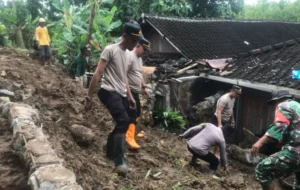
x=211 y=39
x=270 y=65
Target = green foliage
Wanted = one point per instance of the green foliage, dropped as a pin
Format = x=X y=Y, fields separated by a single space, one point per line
x=134 y=8
x=216 y=8
x=282 y=10
x=71 y=31
x=3 y=36
x=3 y=29
x=170 y=121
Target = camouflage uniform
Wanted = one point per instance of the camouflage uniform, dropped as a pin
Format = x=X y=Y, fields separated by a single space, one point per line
x=286 y=129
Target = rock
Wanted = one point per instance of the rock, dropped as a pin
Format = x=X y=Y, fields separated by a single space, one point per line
x=110 y=186
x=47 y=160
x=3 y=101
x=39 y=147
x=82 y=135
x=237 y=181
x=6 y=93
x=3 y=73
x=52 y=177
x=17 y=85
x=27 y=94
x=77 y=107
x=23 y=111
x=71 y=187
x=15 y=74
x=205 y=109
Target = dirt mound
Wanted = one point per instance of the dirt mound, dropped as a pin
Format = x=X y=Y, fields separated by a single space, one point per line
x=162 y=163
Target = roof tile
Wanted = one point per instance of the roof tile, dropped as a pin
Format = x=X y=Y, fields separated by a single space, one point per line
x=211 y=39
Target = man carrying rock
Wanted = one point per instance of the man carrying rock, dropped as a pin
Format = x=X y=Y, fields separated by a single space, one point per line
x=136 y=82
x=43 y=41
x=114 y=92
x=200 y=139
x=286 y=130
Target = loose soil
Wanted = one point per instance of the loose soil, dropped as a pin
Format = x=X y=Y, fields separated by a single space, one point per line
x=60 y=102
x=13 y=174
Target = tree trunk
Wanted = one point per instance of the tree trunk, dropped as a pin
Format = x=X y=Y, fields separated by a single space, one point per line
x=92 y=16
x=19 y=37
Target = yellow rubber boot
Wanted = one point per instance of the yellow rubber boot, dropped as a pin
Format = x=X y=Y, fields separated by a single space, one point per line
x=130 y=137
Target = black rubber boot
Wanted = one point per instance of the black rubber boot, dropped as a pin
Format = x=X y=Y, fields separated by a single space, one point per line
x=194 y=162
x=119 y=153
x=297 y=182
x=110 y=147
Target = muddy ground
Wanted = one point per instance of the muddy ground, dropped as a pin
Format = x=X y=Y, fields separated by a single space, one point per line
x=59 y=100
x=13 y=174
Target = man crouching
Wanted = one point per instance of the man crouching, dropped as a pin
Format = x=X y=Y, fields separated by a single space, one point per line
x=200 y=140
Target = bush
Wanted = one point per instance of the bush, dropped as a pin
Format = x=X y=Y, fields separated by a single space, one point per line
x=170 y=120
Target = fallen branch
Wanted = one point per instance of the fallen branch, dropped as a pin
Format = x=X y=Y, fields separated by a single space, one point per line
x=187 y=68
x=189 y=62
x=241 y=155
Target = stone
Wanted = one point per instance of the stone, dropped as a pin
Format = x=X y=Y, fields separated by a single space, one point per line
x=28 y=93
x=3 y=102
x=6 y=108
x=17 y=85
x=237 y=181
x=77 y=107
x=3 y=73
x=47 y=159
x=22 y=122
x=39 y=147
x=71 y=187
x=31 y=133
x=4 y=99
x=23 y=111
x=82 y=135
x=205 y=110
x=52 y=177
x=15 y=74
x=6 y=93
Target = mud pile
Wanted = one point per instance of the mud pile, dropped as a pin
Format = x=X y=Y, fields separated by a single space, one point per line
x=162 y=163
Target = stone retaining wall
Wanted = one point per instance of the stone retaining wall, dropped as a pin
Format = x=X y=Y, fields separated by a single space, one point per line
x=46 y=169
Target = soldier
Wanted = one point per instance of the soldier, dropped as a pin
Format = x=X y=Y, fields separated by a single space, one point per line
x=286 y=129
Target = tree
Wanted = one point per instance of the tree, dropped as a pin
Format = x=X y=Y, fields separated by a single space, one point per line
x=134 y=8
x=282 y=10
x=34 y=6
x=93 y=4
x=215 y=8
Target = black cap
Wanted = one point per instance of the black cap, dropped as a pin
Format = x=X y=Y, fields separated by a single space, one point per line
x=83 y=48
x=133 y=29
x=145 y=43
x=237 y=89
x=281 y=94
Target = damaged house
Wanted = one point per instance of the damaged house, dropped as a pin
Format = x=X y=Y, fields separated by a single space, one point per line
x=261 y=72
x=196 y=58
